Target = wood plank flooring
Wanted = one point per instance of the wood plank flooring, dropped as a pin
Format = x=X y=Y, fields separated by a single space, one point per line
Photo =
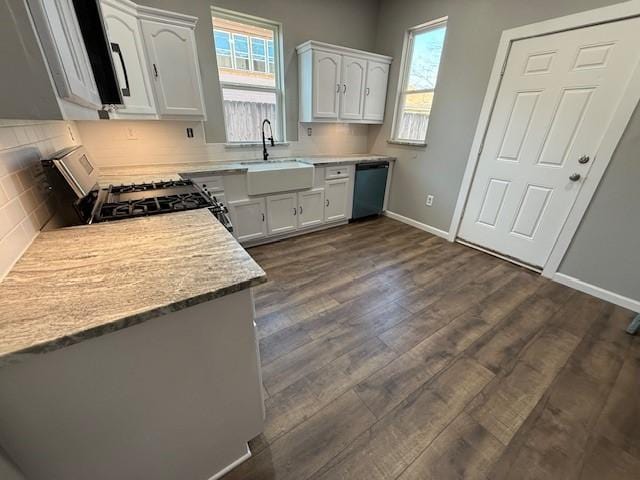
x=390 y=353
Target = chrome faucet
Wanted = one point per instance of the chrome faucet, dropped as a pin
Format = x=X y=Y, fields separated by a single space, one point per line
x=265 y=154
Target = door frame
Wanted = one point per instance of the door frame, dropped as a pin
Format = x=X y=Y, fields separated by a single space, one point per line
x=613 y=133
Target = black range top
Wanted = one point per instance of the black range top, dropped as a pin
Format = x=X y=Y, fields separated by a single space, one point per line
x=137 y=200
x=127 y=201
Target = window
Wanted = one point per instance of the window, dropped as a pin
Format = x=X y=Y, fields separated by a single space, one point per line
x=250 y=73
x=241 y=51
x=258 y=54
x=423 y=49
x=222 y=42
x=270 y=57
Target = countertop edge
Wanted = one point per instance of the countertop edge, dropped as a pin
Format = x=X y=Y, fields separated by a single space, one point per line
x=20 y=356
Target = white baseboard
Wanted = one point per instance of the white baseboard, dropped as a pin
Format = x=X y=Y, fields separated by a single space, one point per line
x=233 y=465
x=414 y=223
x=598 y=292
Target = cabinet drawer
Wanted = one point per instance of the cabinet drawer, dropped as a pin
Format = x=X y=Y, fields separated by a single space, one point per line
x=337 y=172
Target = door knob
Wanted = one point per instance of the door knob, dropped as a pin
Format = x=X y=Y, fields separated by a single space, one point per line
x=574 y=177
x=584 y=159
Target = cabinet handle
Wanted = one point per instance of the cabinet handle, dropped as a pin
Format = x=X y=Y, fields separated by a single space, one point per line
x=327 y=202
x=126 y=91
x=367 y=91
x=155 y=71
x=337 y=88
x=344 y=88
x=262 y=217
x=295 y=211
x=300 y=209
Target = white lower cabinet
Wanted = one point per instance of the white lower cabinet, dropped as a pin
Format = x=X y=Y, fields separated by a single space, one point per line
x=311 y=208
x=249 y=219
x=336 y=195
x=282 y=213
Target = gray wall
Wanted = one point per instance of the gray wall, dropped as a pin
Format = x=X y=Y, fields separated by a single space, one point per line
x=473 y=34
x=351 y=23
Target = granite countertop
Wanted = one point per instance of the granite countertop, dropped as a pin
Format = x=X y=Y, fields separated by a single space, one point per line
x=173 y=171
x=76 y=283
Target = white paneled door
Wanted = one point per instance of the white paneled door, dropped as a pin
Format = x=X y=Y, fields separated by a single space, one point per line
x=557 y=97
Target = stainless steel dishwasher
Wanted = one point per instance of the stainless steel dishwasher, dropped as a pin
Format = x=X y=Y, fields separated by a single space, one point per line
x=369 y=189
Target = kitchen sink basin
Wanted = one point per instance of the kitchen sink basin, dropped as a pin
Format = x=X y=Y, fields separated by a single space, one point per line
x=272 y=177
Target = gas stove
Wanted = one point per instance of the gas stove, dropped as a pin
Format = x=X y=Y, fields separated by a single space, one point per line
x=71 y=168
x=126 y=201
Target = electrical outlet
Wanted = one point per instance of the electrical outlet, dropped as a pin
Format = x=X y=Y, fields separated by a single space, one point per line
x=73 y=139
x=309 y=131
x=189 y=132
x=429 y=202
x=131 y=133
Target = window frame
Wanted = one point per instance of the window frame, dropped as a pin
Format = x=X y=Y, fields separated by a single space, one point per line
x=405 y=67
x=278 y=89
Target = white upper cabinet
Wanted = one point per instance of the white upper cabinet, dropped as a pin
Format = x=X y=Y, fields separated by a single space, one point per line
x=125 y=38
x=354 y=73
x=173 y=63
x=326 y=85
x=339 y=84
x=375 y=94
x=62 y=41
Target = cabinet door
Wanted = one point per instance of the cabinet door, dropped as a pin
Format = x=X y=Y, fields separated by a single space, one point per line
x=282 y=212
x=326 y=85
x=67 y=56
x=375 y=94
x=354 y=72
x=335 y=199
x=249 y=219
x=311 y=208
x=129 y=60
x=173 y=63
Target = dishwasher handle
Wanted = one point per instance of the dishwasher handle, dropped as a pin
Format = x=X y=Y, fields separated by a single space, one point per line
x=372 y=165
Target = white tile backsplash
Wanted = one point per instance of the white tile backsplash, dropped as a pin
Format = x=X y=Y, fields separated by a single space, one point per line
x=24 y=201
x=118 y=142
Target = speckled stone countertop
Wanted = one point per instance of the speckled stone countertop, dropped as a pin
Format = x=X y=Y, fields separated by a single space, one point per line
x=76 y=283
x=173 y=171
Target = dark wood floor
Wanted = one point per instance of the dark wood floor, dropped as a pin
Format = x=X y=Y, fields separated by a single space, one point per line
x=390 y=353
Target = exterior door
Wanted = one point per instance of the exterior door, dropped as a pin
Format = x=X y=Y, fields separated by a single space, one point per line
x=354 y=72
x=282 y=211
x=173 y=64
x=375 y=94
x=249 y=219
x=128 y=58
x=326 y=85
x=557 y=97
x=335 y=199
x=311 y=208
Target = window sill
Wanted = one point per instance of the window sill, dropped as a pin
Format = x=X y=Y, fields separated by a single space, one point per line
x=253 y=145
x=407 y=143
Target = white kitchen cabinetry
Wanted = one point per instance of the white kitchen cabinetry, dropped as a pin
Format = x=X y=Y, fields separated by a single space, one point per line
x=173 y=62
x=339 y=84
x=326 y=85
x=282 y=213
x=336 y=194
x=125 y=37
x=61 y=38
x=249 y=218
x=354 y=74
x=375 y=94
x=311 y=208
